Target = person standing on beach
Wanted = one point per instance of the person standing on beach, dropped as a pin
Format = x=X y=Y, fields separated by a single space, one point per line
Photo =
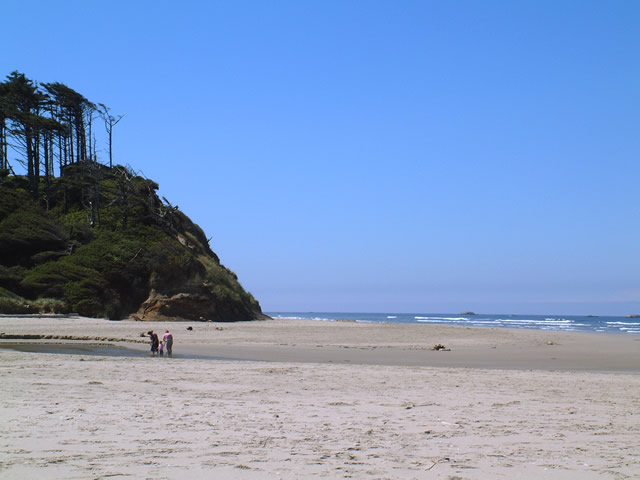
x=167 y=339
x=154 y=342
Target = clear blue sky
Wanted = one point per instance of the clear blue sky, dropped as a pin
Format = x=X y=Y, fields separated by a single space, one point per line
x=390 y=156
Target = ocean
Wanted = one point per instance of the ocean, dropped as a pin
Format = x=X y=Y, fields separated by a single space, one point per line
x=567 y=323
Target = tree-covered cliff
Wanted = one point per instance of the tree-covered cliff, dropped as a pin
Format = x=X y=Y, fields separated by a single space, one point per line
x=96 y=239
x=104 y=244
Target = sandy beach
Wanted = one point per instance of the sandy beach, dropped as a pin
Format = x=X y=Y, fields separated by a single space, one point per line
x=298 y=399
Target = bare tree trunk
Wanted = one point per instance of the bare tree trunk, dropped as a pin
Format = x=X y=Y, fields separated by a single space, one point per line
x=109 y=122
x=51 y=156
x=89 y=118
x=71 y=151
x=4 y=159
x=110 y=145
x=66 y=153
x=36 y=164
x=47 y=171
x=79 y=143
x=32 y=167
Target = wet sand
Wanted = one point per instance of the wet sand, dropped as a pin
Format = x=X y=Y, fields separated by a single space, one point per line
x=323 y=399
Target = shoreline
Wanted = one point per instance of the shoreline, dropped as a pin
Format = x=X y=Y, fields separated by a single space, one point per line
x=548 y=322
x=357 y=343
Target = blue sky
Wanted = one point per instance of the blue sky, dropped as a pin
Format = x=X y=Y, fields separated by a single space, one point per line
x=390 y=156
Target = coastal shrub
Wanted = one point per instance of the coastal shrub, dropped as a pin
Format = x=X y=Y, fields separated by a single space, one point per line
x=14 y=194
x=10 y=277
x=224 y=284
x=113 y=308
x=225 y=294
x=44 y=257
x=51 y=279
x=50 y=305
x=88 y=307
x=77 y=227
x=4 y=293
x=13 y=306
x=85 y=296
x=24 y=233
x=53 y=260
x=170 y=264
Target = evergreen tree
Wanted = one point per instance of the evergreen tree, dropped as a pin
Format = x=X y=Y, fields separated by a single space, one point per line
x=42 y=124
x=23 y=104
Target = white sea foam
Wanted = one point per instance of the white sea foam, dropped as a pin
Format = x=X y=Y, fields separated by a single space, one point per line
x=546 y=321
x=289 y=316
x=543 y=322
x=444 y=319
x=292 y=317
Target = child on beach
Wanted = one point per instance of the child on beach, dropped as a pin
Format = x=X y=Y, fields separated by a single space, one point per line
x=161 y=348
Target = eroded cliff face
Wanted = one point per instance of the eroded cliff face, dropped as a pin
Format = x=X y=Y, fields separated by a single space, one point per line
x=197 y=306
x=103 y=244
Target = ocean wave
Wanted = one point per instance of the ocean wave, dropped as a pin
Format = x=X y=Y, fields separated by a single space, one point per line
x=444 y=319
x=292 y=317
x=546 y=321
x=612 y=324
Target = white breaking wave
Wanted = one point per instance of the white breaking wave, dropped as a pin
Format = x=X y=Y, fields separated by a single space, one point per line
x=447 y=319
x=546 y=321
x=542 y=322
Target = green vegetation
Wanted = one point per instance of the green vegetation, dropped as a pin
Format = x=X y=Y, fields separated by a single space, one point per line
x=55 y=261
x=95 y=240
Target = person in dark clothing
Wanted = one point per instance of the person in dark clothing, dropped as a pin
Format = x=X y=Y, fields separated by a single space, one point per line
x=154 y=342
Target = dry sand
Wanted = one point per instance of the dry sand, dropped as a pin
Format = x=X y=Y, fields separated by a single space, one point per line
x=317 y=399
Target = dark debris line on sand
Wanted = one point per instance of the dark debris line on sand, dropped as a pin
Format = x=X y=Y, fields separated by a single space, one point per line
x=35 y=336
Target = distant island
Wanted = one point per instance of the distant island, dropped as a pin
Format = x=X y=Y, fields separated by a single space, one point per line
x=96 y=239
x=467 y=313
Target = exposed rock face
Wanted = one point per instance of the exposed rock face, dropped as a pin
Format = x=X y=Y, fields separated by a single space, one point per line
x=194 y=306
x=104 y=245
